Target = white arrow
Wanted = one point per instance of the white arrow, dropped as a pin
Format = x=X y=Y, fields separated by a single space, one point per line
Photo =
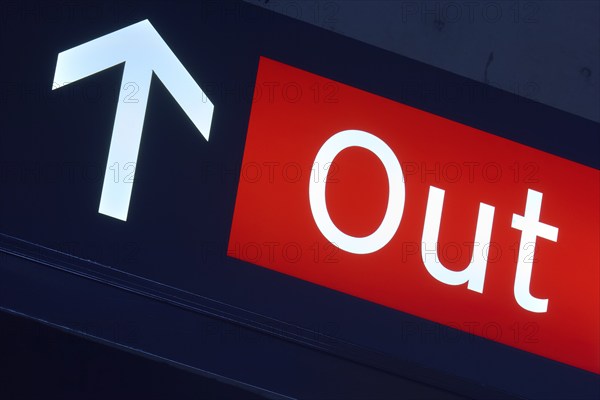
x=143 y=51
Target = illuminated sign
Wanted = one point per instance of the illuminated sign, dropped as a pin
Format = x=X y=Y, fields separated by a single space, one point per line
x=143 y=51
x=392 y=237
x=425 y=215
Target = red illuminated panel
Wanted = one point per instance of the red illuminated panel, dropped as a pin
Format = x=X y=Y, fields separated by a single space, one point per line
x=533 y=272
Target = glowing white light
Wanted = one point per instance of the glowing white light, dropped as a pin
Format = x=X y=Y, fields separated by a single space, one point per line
x=393 y=215
x=474 y=273
x=143 y=51
x=531 y=228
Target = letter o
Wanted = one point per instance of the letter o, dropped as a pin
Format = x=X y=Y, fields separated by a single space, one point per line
x=395 y=207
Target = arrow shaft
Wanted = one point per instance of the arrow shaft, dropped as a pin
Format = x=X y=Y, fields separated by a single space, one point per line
x=125 y=141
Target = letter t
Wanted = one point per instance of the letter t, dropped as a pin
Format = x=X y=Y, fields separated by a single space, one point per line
x=532 y=228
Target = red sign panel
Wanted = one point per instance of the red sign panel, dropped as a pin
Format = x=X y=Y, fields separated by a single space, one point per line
x=428 y=216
